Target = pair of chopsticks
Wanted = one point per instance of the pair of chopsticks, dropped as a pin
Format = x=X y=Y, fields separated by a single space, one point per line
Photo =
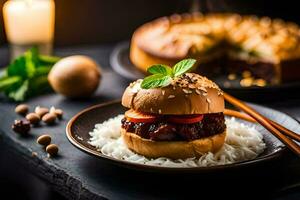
x=285 y=135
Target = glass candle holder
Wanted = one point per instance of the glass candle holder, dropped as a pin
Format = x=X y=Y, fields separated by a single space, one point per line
x=29 y=23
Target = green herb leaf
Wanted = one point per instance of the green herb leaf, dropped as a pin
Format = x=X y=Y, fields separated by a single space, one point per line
x=31 y=61
x=156 y=80
x=38 y=85
x=17 y=68
x=27 y=75
x=8 y=81
x=183 y=66
x=160 y=69
x=42 y=70
x=48 y=60
x=20 y=93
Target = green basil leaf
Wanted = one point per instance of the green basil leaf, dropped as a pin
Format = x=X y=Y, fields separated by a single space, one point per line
x=42 y=70
x=48 y=60
x=160 y=69
x=31 y=61
x=17 y=68
x=183 y=66
x=20 y=93
x=156 y=80
x=8 y=81
x=38 y=85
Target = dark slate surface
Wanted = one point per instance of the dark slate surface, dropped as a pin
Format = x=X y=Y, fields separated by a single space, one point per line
x=77 y=175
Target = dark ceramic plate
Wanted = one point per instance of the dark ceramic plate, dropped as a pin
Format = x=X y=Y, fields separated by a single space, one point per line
x=81 y=124
x=121 y=64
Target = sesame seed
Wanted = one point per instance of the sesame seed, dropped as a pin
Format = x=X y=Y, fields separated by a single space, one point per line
x=204 y=94
x=163 y=92
x=192 y=86
x=208 y=100
x=185 y=91
x=151 y=109
x=159 y=111
x=171 y=96
x=203 y=89
x=198 y=91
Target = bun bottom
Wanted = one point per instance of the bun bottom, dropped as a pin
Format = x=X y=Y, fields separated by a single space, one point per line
x=173 y=149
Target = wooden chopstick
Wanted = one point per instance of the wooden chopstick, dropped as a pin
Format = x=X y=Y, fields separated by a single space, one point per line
x=237 y=114
x=265 y=123
x=246 y=117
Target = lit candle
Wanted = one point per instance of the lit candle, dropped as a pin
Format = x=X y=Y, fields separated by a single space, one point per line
x=28 y=23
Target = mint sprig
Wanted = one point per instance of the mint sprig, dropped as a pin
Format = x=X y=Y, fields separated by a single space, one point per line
x=26 y=76
x=162 y=75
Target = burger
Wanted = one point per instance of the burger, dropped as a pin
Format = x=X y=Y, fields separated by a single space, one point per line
x=182 y=118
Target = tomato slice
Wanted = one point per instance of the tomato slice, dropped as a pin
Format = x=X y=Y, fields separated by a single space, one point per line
x=135 y=116
x=185 y=119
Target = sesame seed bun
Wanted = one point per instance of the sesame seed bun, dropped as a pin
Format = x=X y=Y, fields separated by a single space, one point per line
x=173 y=149
x=187 y=94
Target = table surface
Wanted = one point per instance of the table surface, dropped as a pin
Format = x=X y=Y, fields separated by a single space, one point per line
x=77 y=175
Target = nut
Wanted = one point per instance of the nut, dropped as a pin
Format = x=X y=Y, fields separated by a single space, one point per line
x=33 y=118
x=44 y=140
x=41 y=111
x=21 y=126
x=22 y=109
x=49 y=118
x=58 y=112
x=52 y=149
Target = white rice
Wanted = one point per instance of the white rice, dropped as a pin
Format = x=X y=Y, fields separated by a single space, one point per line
x=242 y=143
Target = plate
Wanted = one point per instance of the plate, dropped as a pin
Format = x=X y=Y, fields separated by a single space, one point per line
x=80 y=125
x=121 y=64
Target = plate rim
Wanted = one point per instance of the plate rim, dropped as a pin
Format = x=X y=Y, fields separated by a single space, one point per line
x=127 y=164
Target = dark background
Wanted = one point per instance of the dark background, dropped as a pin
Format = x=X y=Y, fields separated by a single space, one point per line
x=98 y=21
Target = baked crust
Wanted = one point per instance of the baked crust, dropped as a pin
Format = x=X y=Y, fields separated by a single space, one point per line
x=173 y=149
x=200 y=97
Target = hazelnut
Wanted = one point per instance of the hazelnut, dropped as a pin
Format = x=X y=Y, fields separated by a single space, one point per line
x=52 y=149
x=41 y=111
x=44 y=140
x=58 y=112
x=33 y=118
x=22 y=109
x=49 y=118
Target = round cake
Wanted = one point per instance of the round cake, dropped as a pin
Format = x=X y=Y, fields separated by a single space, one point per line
x=267 y=48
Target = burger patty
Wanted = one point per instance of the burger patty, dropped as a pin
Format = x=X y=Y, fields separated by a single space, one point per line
x=210 y=125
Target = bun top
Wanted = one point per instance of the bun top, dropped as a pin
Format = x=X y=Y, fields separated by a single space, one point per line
x=187 y=94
